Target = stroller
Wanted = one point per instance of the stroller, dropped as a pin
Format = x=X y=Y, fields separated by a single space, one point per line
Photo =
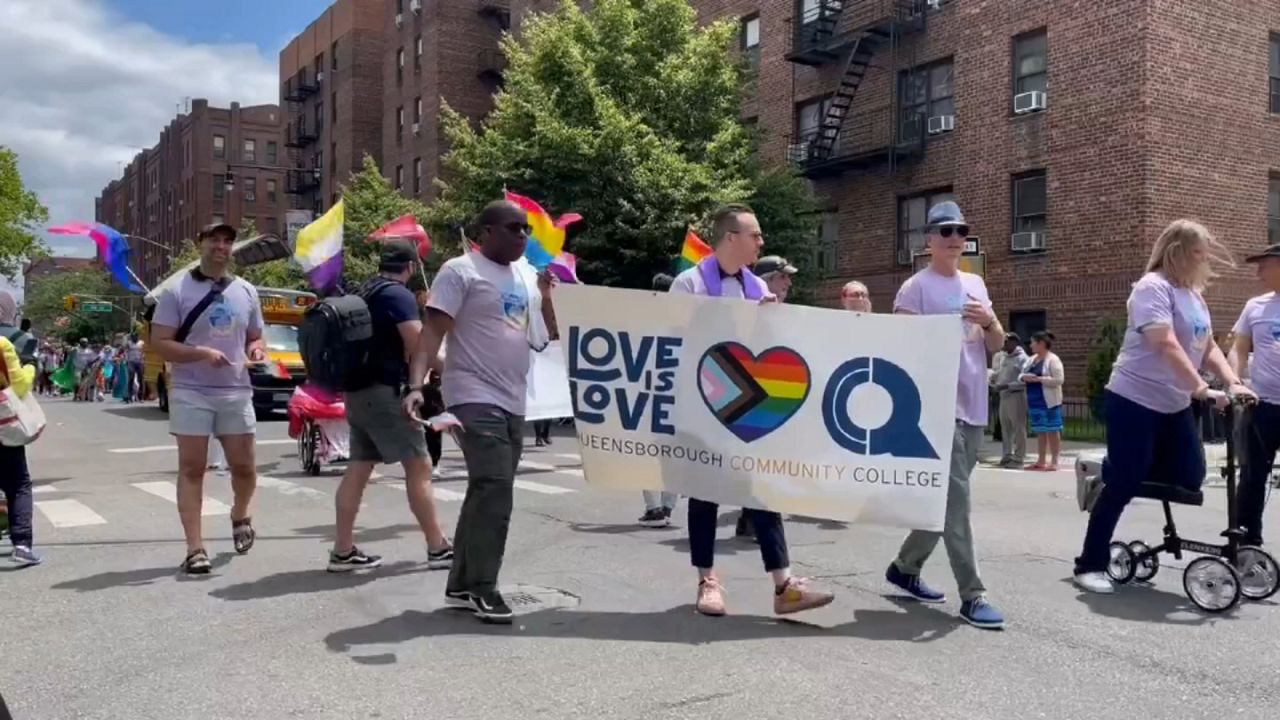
x=318 y=421
x=1226 y=572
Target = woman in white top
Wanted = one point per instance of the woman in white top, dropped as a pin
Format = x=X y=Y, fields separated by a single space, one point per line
x=1043 y=376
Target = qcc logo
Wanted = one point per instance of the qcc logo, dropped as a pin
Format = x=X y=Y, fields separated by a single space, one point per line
x=901 y=435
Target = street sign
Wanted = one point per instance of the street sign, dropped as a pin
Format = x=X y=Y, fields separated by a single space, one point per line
x=91 y=306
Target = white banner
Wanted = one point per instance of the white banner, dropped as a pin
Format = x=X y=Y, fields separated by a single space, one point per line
x=548 y=397
x=802 y=410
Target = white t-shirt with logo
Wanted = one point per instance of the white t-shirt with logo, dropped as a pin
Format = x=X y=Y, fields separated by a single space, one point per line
x=1260 y=322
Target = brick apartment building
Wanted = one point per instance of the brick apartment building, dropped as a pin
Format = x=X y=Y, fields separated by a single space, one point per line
x=46 y=266
x=1070 y=133
x=210 y=165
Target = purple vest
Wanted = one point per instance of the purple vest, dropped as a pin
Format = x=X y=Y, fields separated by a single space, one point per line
x=709 y=268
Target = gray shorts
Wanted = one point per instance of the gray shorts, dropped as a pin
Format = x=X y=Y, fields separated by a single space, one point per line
x=380 y=432
x=192 y=412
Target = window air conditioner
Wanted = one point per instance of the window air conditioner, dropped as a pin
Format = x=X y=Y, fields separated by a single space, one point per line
x=415 y=128
x=1027 y=241
x=1028 y=102
x=319 y=78
x=399 y=20
x=415 y=6
x=798 y=152
x=941 y=124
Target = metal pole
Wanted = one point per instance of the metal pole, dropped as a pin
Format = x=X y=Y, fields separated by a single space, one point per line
x=136 y=279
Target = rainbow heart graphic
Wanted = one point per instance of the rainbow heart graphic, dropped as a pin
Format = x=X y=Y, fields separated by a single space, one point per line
x=752 y=395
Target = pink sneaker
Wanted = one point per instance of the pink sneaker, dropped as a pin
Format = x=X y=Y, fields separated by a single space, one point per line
x=710 y=598
x=796 y=596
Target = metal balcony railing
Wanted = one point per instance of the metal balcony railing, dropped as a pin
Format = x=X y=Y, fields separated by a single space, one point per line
x=821 y=32
x=866 y=137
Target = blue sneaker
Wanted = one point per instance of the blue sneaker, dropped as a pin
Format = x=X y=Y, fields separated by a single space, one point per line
x=912 y=585
x=22 y=555
x=980 y=613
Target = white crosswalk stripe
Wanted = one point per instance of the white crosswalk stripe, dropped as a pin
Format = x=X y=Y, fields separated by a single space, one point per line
x=540 y=467
x=169 y=491
x=43 y=489
x=68 y=513
x=288 y=488
x=540 y=488
x=172 y=448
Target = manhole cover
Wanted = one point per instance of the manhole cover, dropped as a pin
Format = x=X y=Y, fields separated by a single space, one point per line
x=531 y=598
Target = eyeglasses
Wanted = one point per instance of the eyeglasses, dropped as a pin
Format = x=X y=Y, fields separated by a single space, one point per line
x=754 y=235
x=946 y=230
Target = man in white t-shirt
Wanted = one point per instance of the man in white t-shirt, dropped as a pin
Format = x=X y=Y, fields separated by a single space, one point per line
x=1256 y=355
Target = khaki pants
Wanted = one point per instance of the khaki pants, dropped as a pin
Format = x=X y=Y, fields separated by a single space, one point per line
x=1013 y=426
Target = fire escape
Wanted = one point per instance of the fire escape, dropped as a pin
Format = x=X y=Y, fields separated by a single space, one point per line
x=303 y=178
x=490 y=61
x=849 y=42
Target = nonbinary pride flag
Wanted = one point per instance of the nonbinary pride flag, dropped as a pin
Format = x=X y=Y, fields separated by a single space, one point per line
x=319 y=249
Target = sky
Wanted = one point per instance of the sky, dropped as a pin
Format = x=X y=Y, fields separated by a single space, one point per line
x=87 y=84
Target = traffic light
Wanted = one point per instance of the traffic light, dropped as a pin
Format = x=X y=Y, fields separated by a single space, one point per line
x=69 y=303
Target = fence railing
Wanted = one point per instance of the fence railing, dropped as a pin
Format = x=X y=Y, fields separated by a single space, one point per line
x=1084 y=421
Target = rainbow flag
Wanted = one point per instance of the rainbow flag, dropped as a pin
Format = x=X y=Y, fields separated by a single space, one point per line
x=693 y=252
x=318 y=249
x=546 y=237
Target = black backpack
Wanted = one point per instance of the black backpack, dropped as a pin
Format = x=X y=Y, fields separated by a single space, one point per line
x=336 y=339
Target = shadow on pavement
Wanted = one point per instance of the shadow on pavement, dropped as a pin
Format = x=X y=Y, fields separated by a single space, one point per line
x=822 y=523
x=302 y=582
x=1145 y=603
x=363 y=535
x=147 y=411
x=678 y=625
x=133 y=578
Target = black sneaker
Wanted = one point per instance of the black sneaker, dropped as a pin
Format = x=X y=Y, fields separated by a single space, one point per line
x=655 y=518
x=666 y=512
x=491 y=608
x=458 y=600
x=353 y=560
x=440 y=559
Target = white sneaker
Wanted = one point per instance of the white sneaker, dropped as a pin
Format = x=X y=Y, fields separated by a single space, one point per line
x=1095 y=582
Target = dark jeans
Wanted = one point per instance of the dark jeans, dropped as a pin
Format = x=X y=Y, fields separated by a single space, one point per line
x=1259 y=434
x=702 y=535
x=15 y=483
x=491 y=443
x=542 y=430
x=1142 y=444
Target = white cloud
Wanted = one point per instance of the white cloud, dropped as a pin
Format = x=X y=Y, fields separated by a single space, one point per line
x=84 y=90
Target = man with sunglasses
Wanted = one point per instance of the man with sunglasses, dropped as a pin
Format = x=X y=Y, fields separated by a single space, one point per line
x=943 y=289
x=493 y=307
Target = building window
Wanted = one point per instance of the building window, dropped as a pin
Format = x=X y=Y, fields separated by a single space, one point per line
x=319 y=117
x=273 y=153
x=317 y=160
x=399 y=123
x=809 y=117
x=272 y=226
x=417 y=109
x=749 y=40
x=319 y=66
x=417 y=53
x=926 y=92
x=1031 y=62
x=219 y=186
x=1027 y=323
x=250 y=151
x=218 y=219
x=1275 y=73
x=913 y=213
x=417 y=176
x=399 y=177
x=250 y=189
x=400 y=66
x=272 y=197
x=1273 y=211
x=219 y=147
x=824 y=261
x=333 y=154
x=1029 y=202
x=333 y=56
x=333 y=109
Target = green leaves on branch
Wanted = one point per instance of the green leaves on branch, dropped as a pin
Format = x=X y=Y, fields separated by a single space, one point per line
x=21 y=214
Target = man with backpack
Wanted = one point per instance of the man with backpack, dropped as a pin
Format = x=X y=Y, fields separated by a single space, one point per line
x=208 y=326
x=380 y=432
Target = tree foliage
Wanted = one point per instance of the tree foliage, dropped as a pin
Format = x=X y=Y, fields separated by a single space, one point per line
x=20 y=214
x=44 y=304
x=627 y=113
x=370 y=202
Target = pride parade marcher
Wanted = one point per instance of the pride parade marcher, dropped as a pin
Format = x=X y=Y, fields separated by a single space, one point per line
x=737 y=240
x=855 y=297
x=659 y=504
x=1256 y=334
x=380 y=432
x=493 y=308
x=1167 y=341
x=943 y=288
x=208 y=324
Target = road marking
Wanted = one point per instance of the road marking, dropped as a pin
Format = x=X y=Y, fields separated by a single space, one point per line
x=288 y=488
x=568 y=456
x=42 y=489
x=447 y=495
x=69 y=513
x=540 y=488
x=163 y=448
x=169 y=491
x=576 y=472
x=537 y=466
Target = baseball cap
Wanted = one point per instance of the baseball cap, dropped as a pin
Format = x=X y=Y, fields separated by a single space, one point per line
x=772 y=264
x=945 y=213
x=398 y=253
x=216 y=227
x=1270 y=251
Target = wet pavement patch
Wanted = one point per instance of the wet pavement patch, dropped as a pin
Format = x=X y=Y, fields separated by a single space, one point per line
x=532 y=598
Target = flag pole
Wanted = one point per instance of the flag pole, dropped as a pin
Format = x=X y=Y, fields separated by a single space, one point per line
x=136 y=279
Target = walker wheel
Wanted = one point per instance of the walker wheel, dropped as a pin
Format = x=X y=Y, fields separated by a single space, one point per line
x=1148 y=566
x=1212 y=584
x=1123 y=564
x=1259 y=575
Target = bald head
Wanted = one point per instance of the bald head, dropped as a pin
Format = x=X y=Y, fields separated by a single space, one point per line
x=502 y=231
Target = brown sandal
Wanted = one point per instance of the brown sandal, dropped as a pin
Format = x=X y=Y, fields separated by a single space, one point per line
x=242 y=534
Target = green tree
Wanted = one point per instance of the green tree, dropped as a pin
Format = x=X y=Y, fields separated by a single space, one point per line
x=370 y=202
x=45 y=304
x=1105 y=347
x=20 y=214
x=627 y=113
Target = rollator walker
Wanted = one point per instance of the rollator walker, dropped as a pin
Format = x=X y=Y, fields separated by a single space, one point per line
x=1226 y=572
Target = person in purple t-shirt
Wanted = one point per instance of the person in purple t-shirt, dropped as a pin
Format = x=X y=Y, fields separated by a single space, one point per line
x=1257 y=334
x=1150 y=427
x=943 y=288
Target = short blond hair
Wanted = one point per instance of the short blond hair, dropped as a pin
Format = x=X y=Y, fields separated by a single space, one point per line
x=1171 y=254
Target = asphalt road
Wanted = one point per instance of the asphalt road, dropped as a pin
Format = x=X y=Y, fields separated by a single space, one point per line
x=106 y=629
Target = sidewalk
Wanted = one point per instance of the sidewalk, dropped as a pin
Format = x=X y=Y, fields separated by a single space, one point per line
x=1215 y=455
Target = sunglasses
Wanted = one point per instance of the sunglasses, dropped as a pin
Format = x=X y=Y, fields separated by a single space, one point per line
x=518 y=228
x=961 y=230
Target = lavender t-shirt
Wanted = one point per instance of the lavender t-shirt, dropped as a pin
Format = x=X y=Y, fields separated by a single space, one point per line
x=1141 y=374
x=226 y=325
x=931 y=293
x=1260 y=321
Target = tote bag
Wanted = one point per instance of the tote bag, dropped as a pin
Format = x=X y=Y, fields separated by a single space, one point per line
x=21 y=418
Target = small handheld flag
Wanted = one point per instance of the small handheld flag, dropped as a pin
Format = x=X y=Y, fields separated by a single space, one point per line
x=546 y=237
x=405 y=227
x=693 y=252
